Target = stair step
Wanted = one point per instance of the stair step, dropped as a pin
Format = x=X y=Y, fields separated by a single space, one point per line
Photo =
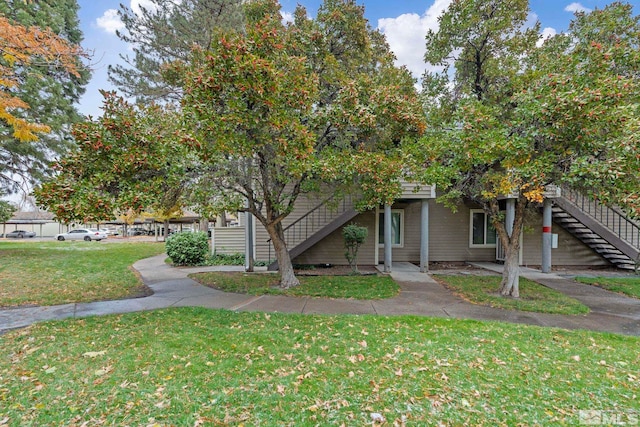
x=590 y=237
x=620 y=257
x=581 y=230
x=569 y=226
x=594 y=241
x=619 y=260
x=598 y=244
x=569 y=223
x=607 y=250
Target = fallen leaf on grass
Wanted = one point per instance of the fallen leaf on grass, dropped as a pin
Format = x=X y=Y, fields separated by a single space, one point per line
x=356 y=358
x=103 y=371
x=93 y=354
x=377 y=417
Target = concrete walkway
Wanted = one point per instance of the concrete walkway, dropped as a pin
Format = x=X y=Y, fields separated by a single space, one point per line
x=420 y=295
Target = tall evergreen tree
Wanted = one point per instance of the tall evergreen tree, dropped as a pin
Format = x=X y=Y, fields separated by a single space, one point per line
x=163 y=33
x=50 y=93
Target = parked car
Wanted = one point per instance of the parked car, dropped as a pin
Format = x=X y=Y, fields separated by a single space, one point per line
x=21 y=234
x=109 y=232
x=137 y=231
x=86 y=234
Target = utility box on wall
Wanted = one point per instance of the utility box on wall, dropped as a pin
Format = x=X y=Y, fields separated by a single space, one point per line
x=554 y=241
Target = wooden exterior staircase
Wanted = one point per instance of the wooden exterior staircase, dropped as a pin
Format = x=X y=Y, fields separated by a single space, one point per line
x=608 y=231
x=314 y=226
x=331 y=214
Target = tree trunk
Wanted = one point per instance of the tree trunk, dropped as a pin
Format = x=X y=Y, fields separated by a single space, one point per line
x=287 y=277
x=166 y=229
x=510 y=286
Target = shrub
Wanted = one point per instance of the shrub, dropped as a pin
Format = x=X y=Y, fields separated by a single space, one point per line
x=226 y=259
x=354 y=237
x=188 y=248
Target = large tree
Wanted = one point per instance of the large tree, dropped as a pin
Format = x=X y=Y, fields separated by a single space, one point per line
x=162 y=32
x=511 y=115
x=128 y=160
x=277 y=109
x=43 y=79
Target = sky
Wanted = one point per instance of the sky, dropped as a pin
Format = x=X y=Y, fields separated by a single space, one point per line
x=404 y=23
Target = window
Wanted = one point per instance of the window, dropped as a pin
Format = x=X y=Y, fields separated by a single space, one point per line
x=397 y=228
x=482 y=233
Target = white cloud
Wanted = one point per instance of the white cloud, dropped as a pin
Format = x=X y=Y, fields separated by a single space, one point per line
x=547 y=33
x=405 y=35
x=287 y=17
x=576 y=7
x=110 y=21
x=136 y=4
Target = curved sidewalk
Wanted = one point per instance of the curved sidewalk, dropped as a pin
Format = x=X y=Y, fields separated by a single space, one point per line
x=420 y=295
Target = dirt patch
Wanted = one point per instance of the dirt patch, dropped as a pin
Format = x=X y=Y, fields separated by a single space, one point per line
x=334 y=270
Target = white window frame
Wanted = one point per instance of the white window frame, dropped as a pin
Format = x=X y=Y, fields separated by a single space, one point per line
x=381 y=236
x=486 y=228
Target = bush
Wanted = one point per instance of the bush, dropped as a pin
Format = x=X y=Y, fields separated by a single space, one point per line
x=354 y=237
x=225 y=259
x=188 y=248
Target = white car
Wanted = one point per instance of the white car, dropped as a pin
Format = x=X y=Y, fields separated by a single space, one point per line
x=86 y=234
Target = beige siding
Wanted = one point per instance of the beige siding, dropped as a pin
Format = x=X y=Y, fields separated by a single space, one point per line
x=304 y=204
x=570 y=251
x=410 y=250
x=448 y=239
x=415 y=191
x=331 y=249
x=449 y=236
x=228 y=240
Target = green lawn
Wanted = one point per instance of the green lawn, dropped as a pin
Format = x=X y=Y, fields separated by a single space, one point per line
x=351 y=286
x=50 y=273
x=629 y=286
x=534 y=297
x=193 y=366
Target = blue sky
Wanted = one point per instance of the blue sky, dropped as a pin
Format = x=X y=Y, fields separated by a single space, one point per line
x=404 y=22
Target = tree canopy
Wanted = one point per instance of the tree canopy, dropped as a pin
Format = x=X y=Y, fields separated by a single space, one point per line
x=161 y=33
x=41 y=77
x=515 y=115
x=278 y=109
x=128 y=160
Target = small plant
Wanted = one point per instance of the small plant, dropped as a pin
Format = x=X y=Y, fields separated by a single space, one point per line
x=226 y=259
x=188 y=248
x=354 y=237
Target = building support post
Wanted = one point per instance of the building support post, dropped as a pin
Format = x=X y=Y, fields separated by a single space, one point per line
x=546 y=235
x=509 y=219
x=387 y=238
x=424 y=236
x=510 y=216
x=248 y=244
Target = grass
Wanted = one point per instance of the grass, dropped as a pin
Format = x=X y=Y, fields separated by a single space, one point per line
x=352 y=286
x=534 y=297
x=193 y=366
x=50 y=273
x=629 y=286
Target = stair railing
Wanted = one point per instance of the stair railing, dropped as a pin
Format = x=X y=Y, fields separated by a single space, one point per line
x=316 y=218
x=614 y=219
